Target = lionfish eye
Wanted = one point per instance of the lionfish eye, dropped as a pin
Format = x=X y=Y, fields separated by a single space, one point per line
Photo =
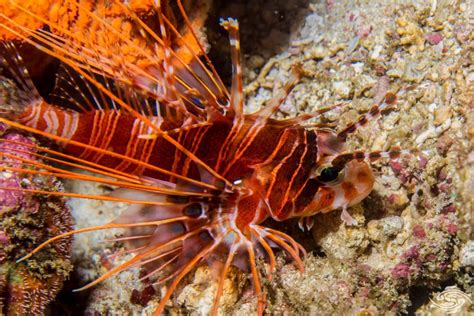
x=328 y=174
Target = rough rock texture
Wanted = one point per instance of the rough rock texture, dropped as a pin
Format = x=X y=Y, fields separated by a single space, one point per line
x=411 y=227
x=26 y=288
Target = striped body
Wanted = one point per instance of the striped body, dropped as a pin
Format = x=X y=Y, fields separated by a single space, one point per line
x=274 y=161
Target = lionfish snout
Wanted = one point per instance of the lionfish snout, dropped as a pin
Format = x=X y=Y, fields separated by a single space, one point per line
x=357 y=183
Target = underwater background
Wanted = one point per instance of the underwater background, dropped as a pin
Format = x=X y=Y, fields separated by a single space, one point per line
x=413 y=239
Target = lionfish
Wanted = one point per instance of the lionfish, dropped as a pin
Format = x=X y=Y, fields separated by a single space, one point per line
x=200 y=174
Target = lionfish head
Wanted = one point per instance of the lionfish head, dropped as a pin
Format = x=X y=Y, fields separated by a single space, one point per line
x=346 y=186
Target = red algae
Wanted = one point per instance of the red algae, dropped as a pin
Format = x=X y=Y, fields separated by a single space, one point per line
x=419 y=231
x=401 y=271
x=434 y=38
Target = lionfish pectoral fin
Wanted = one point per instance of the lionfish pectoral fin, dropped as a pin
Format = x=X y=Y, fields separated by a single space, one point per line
x=164 y=238
x=221 y=277
x=100 y=227
x=306 y=223
x=347 y=218
x=261 y=297
x=205 y=241
x=260 y=244
x=242 y=253
x=157 y=182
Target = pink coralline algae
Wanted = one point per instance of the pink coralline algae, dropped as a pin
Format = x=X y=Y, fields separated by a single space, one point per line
x=26 y=220
x=400 y=171
x=14 y=199
x=430 y=249
x=411 y=253
x=419 y=232
x=401 y=271
x=433 y=38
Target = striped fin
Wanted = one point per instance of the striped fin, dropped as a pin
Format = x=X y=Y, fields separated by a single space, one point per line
x=389 y=100
x=71 y=91
x=237 y=95
x=119 y=178
x=274 y=104
x=198 y=86
x=183 y=63
x=341 y=160
x=76 y=50
x=62 y=126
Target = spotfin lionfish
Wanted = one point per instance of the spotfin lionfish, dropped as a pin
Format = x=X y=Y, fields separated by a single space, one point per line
x=200 y=175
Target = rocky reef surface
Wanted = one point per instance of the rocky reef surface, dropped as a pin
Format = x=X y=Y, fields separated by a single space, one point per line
x=414 y=225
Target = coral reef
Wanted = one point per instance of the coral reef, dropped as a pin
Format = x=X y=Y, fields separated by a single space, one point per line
x=26 y=220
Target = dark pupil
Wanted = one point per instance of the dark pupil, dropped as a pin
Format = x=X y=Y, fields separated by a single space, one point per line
x=328 y=174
